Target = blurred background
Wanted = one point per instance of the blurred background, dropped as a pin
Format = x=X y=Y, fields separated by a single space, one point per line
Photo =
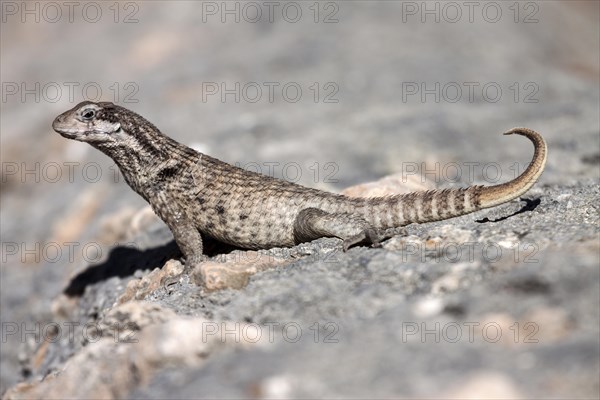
x=329 y=94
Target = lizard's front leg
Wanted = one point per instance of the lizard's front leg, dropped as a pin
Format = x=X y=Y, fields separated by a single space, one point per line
x=184 y=231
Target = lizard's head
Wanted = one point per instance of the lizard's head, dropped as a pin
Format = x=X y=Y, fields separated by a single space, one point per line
x=90 y=122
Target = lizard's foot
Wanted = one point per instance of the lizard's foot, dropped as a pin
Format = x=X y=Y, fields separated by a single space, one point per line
x=391 y=232
x=169 y=281
x=189 y=273
x=368 y=235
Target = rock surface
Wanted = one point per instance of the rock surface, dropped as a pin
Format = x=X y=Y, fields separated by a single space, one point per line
x=502 y=303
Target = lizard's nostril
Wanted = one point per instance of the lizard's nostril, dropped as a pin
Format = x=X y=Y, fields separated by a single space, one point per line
x=57 y=122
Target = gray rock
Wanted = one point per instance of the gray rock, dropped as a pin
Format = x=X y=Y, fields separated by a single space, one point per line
x=368 y=317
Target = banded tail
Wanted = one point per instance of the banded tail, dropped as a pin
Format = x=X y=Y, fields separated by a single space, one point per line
x=435 y=205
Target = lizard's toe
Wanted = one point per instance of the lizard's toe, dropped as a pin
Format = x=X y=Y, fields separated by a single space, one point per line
x=168 y=282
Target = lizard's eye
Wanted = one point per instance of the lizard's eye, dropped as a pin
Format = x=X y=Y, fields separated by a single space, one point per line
x=88 y=114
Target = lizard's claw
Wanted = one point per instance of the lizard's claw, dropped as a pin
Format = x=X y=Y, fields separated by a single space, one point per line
x=190 y=272
x=172 y=280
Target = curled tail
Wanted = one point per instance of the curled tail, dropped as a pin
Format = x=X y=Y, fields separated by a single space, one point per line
x=434 y=205
x=493 y=195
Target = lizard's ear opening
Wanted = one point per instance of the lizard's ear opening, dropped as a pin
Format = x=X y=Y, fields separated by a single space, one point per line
x=117 y=127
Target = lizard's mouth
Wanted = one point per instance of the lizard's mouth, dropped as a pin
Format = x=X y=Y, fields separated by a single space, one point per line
x=75 y=134
x=68 y=131
x=81 y=136
x=59 y=126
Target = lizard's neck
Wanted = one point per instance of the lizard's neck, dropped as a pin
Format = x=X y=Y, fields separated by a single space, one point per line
x=143 y=156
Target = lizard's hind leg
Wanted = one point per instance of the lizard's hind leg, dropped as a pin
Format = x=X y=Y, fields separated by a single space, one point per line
x=313 y=223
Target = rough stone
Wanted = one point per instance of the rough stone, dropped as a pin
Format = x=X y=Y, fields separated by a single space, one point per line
x=502 y=303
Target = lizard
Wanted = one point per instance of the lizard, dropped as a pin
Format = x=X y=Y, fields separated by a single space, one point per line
x=199 y=196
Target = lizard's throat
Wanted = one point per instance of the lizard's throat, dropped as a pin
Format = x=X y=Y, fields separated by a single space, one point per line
x=133 y=161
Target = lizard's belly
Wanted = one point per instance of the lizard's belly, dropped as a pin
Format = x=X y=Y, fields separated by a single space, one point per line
x=258 y=217
x=251 y=229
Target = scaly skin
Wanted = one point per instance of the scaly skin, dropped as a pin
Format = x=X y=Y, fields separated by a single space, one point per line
x=197 y=195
